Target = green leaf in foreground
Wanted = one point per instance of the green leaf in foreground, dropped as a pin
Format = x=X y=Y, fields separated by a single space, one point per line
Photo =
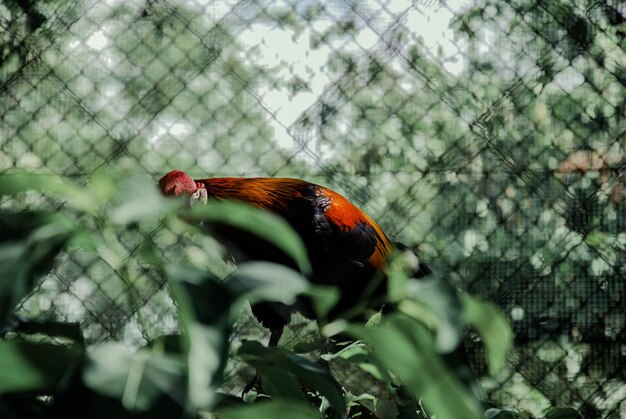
x=368 y=362
x=435 y=302
x=139 y=198
x=494 y=413
x=278 y=367
x=29 y=366
x=562 y=413
x=405 y=347
x=29 y=244
x=495 y=331
x=260 y=223
x=47 y=328
x=21 y=182
x=266 y=281
x=138 y=379
x=206 y=307
x=323 y=298
x=271 y=410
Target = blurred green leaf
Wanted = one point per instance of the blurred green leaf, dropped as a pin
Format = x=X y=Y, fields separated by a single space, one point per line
x=323 y=298
x=281 y=385
x=207 y=358
x=367 y=405
x=261 y=223
x=491 y=324
x=439 y=307
x=29 y=366
x=21 y=182
x=138 y=379
x=208 y=309
x=306 y=346
x=494 y=413
x=206 y=316
x=271 y=410
x=29 y=244
x=281 y=367
x=353 y=345
x=48 y=328
x=369 y=363
x=104 y=184
x=170 y=344
x=408 y=350
x=397 y=276
x=139 y=198
x=375 y=319
x=266 y=281
x=202 y=297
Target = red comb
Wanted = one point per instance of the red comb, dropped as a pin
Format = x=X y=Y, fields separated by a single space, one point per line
x=177 y=182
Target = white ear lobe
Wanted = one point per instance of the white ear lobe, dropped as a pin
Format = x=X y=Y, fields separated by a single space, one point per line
x=198 y=197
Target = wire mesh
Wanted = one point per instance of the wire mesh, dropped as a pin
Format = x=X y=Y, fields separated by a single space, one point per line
x=489 y=132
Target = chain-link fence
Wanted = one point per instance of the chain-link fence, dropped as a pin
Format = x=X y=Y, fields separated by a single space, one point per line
x=492 y=133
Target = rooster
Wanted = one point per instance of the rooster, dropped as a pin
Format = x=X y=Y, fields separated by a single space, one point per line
x=347 y=249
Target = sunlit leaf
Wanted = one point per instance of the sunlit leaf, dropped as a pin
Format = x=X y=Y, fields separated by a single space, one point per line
x=374 y=319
